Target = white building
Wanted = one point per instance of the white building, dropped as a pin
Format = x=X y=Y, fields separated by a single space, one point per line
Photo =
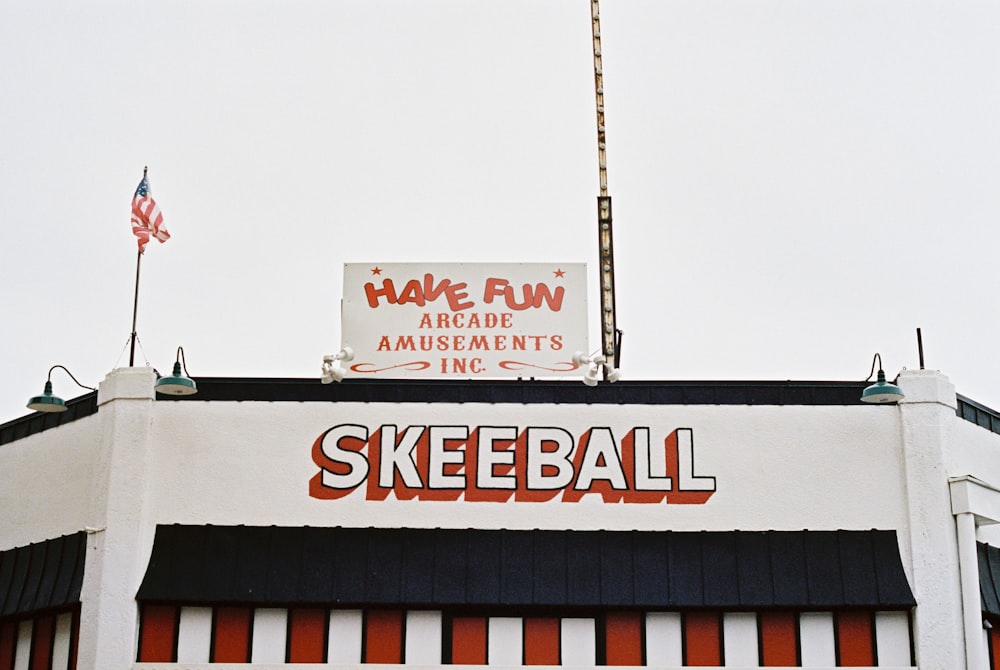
x=267 y=523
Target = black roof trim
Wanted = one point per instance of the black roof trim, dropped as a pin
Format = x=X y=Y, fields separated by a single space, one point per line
x=981 y=415
x=42 y=576
x=529 y=391
x=36 y=422
x=458 y=568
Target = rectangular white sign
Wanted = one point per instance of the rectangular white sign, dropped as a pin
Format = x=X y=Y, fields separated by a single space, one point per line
x=463 y=320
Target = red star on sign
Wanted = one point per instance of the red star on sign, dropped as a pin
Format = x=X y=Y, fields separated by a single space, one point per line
x=376 y=270
x=559 y=273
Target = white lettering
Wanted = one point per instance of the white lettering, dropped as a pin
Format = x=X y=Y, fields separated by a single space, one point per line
x=685 y=464
x=646 y=461
x=601 y=447
x=440 y=457
x=356 y=463
x=488 y=458
x=539 y=460
x=395 y=457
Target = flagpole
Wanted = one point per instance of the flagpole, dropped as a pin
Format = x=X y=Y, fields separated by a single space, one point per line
x=135 y=302
x=135 y=310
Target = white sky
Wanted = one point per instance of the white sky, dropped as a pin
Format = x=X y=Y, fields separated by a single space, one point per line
x=797 y=185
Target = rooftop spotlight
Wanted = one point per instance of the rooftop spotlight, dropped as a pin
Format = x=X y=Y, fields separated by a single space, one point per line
x=594 y=363
x=881 y=392
x=332 y=371
x=177 y=383
x=47 y=402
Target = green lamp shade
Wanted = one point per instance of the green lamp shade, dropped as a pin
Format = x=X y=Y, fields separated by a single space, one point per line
x=176 y=384
x=47 y=402
x=882 y=391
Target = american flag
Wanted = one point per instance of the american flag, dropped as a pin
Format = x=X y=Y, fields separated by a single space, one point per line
x=147 y=220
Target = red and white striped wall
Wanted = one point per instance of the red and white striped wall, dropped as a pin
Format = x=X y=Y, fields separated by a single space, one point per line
x=41 y=642
x=992 y=635
x=177 y=634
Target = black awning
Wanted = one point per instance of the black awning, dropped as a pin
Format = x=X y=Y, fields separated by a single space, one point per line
x=989 y=578
x=538 y=568
x=41 y=576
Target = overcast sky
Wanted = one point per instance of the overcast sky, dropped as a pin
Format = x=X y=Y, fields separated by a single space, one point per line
x=796 y=185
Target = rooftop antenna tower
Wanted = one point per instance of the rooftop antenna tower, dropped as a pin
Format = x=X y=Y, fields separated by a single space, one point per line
x=610 y=335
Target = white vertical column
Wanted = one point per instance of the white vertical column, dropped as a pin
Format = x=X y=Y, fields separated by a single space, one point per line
x=664 y=641
x=578 y=641
x=270 y=635
x=344 y=640
x=505 y=641
x=816 y=640
x=22 y=651
x=739 y=639
x=423 y=638
x=194 y=635
x=972 y=614
x=927 y=416
x=119 y=538
x=62 y=640
x=892 y=638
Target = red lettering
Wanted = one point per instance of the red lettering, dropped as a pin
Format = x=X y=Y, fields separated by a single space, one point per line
x=412 y=292
x=532 y=296
x=387 y=291
x=432 y=292
x=456 y=295
x=494 y=288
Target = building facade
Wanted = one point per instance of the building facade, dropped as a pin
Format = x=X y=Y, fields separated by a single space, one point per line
x=282 y=523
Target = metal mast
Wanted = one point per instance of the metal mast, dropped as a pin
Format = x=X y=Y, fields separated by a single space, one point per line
x=610 y=336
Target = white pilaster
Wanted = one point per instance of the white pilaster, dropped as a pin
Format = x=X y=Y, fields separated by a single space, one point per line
x=974 y=503
x=927 y=418
x=422 y=645
x=118 y=540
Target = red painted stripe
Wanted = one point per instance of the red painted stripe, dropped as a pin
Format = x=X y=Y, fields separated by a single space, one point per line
x=994 y=638
x=702 y=638
x=74 y=639
x=468 y=641
x=8 y=644
x=42 y=635
x=231 y=635
x=778 y=639
x=157 y=634
x=541 y=641
x=623 y=638
x=855 y=639
x=307 y=635
x=383 y=636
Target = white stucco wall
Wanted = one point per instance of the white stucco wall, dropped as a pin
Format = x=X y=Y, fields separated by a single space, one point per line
x=974 y=451
x=46 y=483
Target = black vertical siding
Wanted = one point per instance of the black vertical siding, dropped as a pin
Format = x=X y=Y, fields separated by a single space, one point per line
x=536 y=568
x=41 y=576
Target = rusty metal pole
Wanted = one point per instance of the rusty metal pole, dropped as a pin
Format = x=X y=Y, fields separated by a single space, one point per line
x=606 y=252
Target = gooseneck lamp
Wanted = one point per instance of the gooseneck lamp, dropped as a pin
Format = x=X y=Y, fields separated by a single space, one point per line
x=47 y=402
x=881 y=392
x=177 y=383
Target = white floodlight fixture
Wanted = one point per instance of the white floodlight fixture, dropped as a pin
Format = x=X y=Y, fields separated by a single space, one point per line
x=332 y=371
